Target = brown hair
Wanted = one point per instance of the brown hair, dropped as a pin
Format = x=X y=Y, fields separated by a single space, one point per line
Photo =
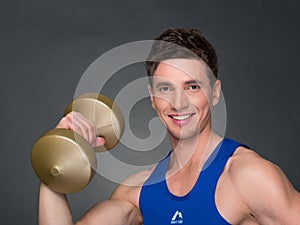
x=181 y=43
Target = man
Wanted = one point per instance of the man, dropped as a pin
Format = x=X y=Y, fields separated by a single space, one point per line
x=205 y=179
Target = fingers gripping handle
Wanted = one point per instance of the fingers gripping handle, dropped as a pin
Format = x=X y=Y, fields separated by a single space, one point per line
x=63 y=159
x=106 y=116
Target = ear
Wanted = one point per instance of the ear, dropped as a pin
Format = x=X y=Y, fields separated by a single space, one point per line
x=216 y=92
x=151 y=96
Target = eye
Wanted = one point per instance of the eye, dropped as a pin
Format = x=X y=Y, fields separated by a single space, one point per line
x=164 y=89
x=194 y=87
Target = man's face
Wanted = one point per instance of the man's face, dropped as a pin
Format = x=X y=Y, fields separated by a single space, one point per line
x=182 y=96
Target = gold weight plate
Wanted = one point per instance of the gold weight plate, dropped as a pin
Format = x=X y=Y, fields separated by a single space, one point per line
x=63 y=160
x=106 y=116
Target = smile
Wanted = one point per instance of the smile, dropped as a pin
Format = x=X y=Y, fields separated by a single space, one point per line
x=181 y=117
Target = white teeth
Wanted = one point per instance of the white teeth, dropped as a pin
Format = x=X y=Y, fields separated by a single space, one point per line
x=182 y=117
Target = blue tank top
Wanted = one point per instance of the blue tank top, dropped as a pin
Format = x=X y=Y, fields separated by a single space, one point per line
x=160 y=207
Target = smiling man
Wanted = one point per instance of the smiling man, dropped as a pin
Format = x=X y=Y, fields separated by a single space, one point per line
x=205 y=179
x=182 y=96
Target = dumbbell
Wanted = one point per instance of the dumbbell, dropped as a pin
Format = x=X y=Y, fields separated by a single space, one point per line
x=64 y=160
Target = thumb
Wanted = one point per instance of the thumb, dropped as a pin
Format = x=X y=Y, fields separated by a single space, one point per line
x=100 y=141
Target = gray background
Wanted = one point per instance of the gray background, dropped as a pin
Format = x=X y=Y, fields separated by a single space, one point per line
x=47 y=45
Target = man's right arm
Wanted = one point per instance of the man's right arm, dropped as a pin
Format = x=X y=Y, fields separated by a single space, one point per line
x=54 y=209
x=119 y=210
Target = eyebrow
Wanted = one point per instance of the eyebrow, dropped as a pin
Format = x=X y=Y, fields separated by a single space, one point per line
x=159 y=84
x=193 y=82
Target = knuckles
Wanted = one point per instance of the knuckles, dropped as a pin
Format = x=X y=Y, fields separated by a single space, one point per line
x=78 y=123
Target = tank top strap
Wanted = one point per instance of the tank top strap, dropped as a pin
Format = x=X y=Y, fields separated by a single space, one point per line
x=158 y=175
x=228 y=147
x=214 y=166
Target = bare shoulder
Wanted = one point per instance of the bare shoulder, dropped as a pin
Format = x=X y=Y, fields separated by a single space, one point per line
x=247 y=161
x=262 y=186
x=129 y=189
x=247 y=166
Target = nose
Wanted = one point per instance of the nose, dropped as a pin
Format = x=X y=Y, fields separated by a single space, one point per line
x=180 y=100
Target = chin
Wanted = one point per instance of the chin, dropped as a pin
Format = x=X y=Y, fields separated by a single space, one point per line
x=185 y=135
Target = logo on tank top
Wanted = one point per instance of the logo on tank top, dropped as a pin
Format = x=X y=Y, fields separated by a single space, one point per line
x=177 y=218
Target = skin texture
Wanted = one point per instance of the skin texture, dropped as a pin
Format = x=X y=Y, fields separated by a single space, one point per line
x=251 y=190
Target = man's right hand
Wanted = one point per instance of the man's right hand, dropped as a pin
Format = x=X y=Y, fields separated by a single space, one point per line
x=80 y=124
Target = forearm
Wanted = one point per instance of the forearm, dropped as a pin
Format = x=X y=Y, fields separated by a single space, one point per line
x=53 y=208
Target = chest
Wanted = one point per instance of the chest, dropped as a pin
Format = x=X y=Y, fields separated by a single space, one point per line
x=194 y=197
x=187 y=196
x=181 y=183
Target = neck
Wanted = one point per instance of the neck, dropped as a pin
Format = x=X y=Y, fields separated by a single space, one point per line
x=192 y=151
